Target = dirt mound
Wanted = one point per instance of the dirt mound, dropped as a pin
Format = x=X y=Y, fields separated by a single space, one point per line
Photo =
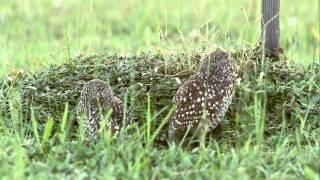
x=276 y=90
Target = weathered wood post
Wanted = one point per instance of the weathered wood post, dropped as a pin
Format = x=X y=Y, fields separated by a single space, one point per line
x=270 y=26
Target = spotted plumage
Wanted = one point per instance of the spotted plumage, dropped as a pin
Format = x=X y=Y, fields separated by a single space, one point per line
x=96 y=100
x=205 y=97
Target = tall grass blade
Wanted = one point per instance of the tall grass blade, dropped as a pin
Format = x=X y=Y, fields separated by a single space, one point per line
x=35 y=128
x=259 y=116
x=162 y=124
x=47 y=130
x=149 y=119
x=105 y=121
x=63 y=133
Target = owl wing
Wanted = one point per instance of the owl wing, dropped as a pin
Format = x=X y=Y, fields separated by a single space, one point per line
x=188 y=101
x=117 y=114
x=195 y=96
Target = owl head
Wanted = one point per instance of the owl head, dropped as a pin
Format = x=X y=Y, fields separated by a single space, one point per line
x=97 y=90
x=218 y=64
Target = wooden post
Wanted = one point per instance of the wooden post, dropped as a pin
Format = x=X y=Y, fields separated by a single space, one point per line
x=270 y=26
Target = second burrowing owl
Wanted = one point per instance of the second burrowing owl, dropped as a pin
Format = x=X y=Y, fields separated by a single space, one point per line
x=96 y=100
x=205 y=97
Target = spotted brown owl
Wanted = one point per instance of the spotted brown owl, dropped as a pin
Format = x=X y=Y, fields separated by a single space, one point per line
x=205 y=97
x=96 y=100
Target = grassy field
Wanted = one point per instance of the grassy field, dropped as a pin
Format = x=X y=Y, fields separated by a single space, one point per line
x=36 y=34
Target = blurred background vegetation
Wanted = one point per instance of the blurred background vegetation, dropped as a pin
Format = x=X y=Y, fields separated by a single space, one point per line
x=34 y=33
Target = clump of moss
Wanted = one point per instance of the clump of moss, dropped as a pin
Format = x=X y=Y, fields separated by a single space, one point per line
x=286 y=90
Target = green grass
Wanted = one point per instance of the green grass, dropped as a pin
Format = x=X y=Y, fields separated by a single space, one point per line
x=35 y=34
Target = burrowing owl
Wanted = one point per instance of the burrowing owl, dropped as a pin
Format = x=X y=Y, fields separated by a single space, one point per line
x=96 y=100
x=205 y=97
